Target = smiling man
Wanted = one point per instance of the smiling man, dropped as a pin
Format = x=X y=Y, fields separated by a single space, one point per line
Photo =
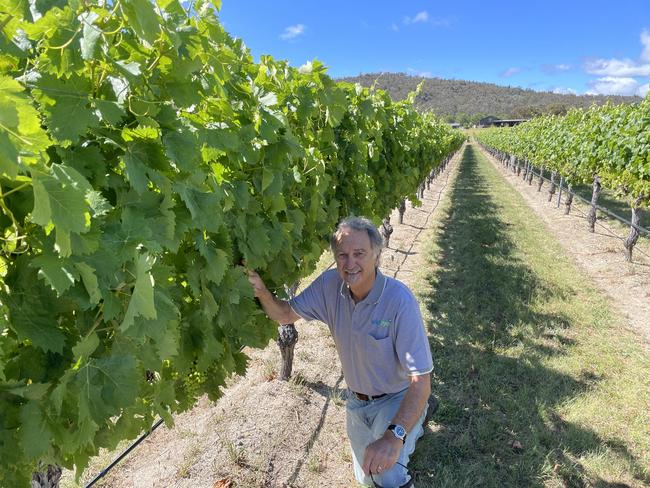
x=384 y=351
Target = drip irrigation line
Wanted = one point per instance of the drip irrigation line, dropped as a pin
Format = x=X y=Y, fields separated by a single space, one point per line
x=121 y=456
x=640 y=229
x=584 y=200
x=637 y=249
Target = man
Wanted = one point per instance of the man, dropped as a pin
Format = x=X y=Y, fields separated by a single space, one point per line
x=380 y=338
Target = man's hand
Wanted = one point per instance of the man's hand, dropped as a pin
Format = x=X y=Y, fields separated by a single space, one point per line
x=276 y=309
x=382 y=454
x=259 y=288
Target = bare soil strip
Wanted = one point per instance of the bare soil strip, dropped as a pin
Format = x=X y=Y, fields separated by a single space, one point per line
x=264 y=432
x=600 y=255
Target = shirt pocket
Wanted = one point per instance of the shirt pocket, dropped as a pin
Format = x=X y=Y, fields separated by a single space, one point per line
x=380 y=350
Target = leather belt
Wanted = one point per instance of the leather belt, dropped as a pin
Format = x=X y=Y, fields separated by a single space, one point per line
x=366 y=398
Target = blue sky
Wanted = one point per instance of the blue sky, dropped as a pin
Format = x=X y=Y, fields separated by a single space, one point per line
x=564 y=46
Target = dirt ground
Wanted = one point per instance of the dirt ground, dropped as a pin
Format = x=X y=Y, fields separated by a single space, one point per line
x=267 y=433
x=600 y=255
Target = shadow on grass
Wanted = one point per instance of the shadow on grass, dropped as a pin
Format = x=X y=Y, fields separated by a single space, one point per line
x=496 y=424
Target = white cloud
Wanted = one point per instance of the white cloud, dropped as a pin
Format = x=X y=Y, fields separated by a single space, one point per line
x=422 y=74
x=555 y=68
x=623 y=67
x=561 y=90
x=617 y=68
x=613 y=85
x=292 y=32
x=509 y=72
x=645 y=40
x=421 y=17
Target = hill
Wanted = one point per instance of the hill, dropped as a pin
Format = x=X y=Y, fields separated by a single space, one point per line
x=467 y=101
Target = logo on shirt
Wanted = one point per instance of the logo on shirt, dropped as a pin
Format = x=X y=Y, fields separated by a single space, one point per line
x=381 y=323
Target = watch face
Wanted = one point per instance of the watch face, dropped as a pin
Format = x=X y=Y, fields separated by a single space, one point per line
x=399 y=430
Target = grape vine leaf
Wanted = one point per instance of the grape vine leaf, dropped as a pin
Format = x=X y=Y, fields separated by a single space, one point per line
x=142 y=302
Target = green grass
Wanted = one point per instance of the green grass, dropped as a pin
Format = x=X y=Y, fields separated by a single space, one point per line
x=539 y=384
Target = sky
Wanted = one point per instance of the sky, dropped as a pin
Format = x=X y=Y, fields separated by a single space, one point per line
x=581 y=47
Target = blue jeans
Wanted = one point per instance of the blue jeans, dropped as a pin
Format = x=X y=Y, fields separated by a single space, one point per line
x=366 y=422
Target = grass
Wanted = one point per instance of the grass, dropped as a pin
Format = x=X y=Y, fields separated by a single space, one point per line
x=539 y=384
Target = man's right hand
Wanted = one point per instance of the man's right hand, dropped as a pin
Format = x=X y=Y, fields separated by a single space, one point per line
x=275 y=308
x=259 y=288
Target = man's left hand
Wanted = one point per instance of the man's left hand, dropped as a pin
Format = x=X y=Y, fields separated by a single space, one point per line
x=382 y=454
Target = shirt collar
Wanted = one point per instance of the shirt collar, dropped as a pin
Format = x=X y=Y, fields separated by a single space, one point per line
x=377 y=290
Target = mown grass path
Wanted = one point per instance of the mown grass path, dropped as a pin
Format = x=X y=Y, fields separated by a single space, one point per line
x=539 y=384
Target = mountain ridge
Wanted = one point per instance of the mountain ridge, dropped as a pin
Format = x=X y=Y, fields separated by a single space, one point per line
x=467 y=101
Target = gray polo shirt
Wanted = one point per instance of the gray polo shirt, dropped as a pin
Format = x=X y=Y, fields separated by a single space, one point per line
x=380 y=340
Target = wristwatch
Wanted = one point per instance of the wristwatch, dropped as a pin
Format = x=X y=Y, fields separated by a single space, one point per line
x=398 y=431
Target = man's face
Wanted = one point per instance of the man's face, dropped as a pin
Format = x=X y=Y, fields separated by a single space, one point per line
x=356 y=261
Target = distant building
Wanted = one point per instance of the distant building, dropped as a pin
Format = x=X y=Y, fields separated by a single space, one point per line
x=492 y=121
x=454 y=125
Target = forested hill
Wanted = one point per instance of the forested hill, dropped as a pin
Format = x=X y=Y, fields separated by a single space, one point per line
x=463 y=101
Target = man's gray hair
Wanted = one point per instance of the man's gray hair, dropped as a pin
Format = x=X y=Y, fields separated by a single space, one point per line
x=359 y=224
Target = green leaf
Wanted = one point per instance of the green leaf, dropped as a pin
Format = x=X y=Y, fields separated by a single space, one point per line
x=142 y=302
x=60 y=198
x=90 y=282
x=142 y=19
x=267 y=178
x=59 y=273
x=111 y=112
x=205 y=207
x=33 y=308
x=66 y=104
x=91 y=34
x=105 y=386
x=8 y=156
x=136 y=169
x=217 y=261
x=35 y=432
x=86 y=346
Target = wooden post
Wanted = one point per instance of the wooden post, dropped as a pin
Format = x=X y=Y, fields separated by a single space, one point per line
x=402 y=209
x=633 y=236
x=568 y=201
x=595 y=193
x=551 y=190
x=386 y=230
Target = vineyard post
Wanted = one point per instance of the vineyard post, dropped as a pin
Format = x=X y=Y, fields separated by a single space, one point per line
x=596 y=189
x=531 y=173
x=559 y=195
x=569 y=200
x=402 y=209
x=386 y=230
x=633 y=236
x=551 y=190
x=541 y=179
